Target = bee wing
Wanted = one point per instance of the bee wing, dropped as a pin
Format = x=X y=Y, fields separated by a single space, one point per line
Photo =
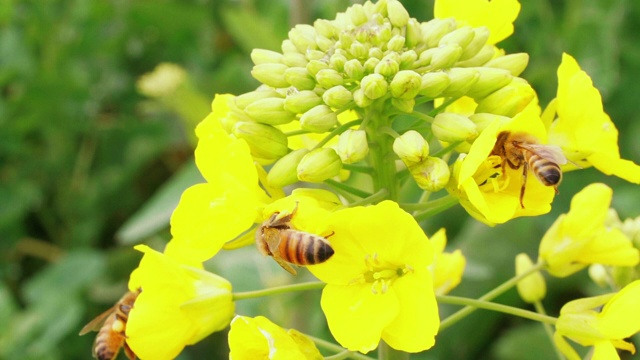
x=285 y=265
x=96 y=324
x=549 y=152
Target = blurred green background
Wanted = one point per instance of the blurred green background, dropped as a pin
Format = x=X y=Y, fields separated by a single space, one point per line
x=89 y=166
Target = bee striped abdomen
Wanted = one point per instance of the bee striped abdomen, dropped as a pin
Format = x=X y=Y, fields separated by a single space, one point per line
x=107 y=344
x=547 y=172
x=301 y=248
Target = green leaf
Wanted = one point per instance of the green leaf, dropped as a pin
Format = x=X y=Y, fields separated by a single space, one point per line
x=155 y=213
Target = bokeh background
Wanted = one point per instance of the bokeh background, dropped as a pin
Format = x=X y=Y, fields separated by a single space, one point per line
x=91 y=164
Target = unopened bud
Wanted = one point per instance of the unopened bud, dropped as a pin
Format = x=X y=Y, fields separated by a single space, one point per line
x=265 y=141
x=337 y=97
x=452 y=127
x=360 y=99
x=398 y=15
x=404 y=105
x=284 y=172
x=269 y=111
x=445 y=56
x=354 y=70
x=374 y=86
x=461 y=37
x=319 y=119
x=515 y=63
x=433 y=84
x=599 y=274
x=383 y=35
x=246 y=99
x=352 y=146
x=396 y=43
x=411 y=147
x=489 y=81
x=325 y=28
x=375 y=52
x=288 y=46
x=346 y=39
x=319 y=165
x=358 y=50
x=337 y=62
x=302 y=101
x=481 y=35
x=509 y=100
x=413 y=34
x=432 y=174
x=262 y=56
x=533 y=287
x=370 y=65
x=324 y=45
x=480 y=59
x=357 y=14
x=329 y=78
x=303 y=37
x=300 y=78
x=462 y=79
x=435 y=29
x=271 y=74
x=387 y=67
x=295 y=60
x=483 y=120
x=405 y=84
x=407 y=59
x=314 y=66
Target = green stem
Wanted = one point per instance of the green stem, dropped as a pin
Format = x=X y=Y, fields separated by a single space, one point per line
x=547 y=329
x=296 y=132
x=386 y=352
x=446 y=149
x=337 y=131
x=433 y=207
x=421 y=116
x=380 y=145
x=358 y=168
x=481 y=304
x=464 y=312
x=347 y=188
x=444 y=105
x=277 y=290
x=336 y=348
x=379 y=196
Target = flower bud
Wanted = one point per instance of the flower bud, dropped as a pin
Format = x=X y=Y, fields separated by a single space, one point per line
x=246 y=99
x=432 y=174
x=489 y=81
x=405 y=84
x=271 y=74
x=515 y=63
x=269 y=111
x=413 y=34
x=411 y=147
x=295 y=60
x=262 y=56
x=433 y=84
x=404 y=105
x=357 y=14
x=387 y=67
x=346 y=39
x=358 y=50
x=533 y=287
x=354 y=70
x=407 y=59
x=337 y=62
x=481 y=35
x=284 y=172
x=375 y=52
x=461 y=37
x=300 y=78
x=445 y=56
x=599 y=274
x=462 y=79
x=383 y=35
x=324 y=45
x=396 y=43
x=303 y=37
x=328 y=78
x=435 y=29
x=483 y=120
x=398 y=15
x=319 y=165
x=302 y=101
x=509 y=100
x=314 y=66
x=360 y=99
x=370 y=65
x=374 y=86
x=451 y=127
x=319 y=119
x=325 y=28
x=485 y=54
x=337 y=97
x=352 y=146
x=265 y=141
x=288 y=46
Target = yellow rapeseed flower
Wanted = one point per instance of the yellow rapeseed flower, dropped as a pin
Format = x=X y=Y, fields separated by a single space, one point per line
x=258 y=338
x=378 y=283
x=605 y=330
x=582 y=129
x=179 y=305
x=580 y=237
x=497 y=15
x=212 y=213
x=447 y=268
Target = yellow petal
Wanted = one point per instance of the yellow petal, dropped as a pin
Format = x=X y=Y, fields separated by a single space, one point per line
x=620 y=317
x=604 y=350
x=356 y=316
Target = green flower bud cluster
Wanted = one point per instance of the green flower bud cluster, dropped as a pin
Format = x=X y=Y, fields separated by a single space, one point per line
x=430 y=173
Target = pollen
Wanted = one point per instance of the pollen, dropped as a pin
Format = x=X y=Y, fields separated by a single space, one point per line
x=380 y=274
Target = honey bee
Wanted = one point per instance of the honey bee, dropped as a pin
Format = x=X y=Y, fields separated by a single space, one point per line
x=277 y=237
x=523 y=150
x=110 y=326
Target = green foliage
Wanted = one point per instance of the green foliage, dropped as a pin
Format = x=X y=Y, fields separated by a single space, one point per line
x=86 y=160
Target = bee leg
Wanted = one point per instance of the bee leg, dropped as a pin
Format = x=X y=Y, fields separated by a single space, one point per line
x=330 y=235
x=130 y=354
x=524 y=183
x=283 y=264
